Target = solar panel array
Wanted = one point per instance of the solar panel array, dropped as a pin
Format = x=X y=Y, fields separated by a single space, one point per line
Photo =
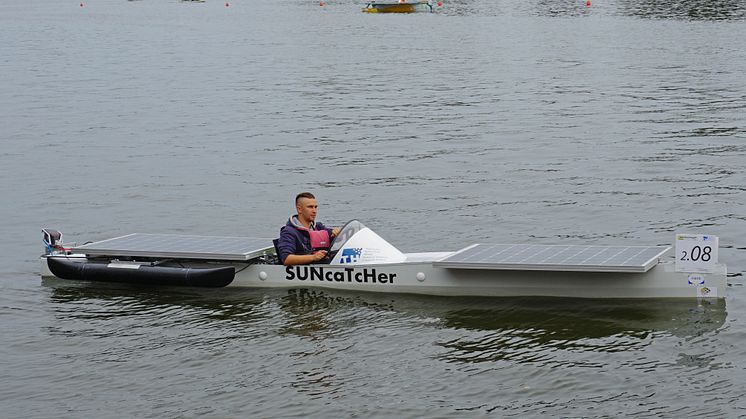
x=179 y=246
x=555 y=257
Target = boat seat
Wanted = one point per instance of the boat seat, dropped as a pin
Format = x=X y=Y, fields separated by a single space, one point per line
x=277 y=251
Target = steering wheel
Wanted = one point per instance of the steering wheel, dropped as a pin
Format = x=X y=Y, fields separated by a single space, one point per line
x=345 y=233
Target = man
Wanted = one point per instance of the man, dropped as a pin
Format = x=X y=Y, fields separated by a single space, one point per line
x=302 y=239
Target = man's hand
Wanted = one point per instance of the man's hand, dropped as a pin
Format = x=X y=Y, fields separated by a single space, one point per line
x=335 y=232
x=304 y=259
x=317 y=256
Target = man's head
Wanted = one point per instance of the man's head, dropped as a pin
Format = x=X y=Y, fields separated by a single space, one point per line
x=305 y=204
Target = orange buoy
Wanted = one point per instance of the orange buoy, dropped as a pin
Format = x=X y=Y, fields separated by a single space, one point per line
x=321 y=3
x=588 y=3
x=440 y=4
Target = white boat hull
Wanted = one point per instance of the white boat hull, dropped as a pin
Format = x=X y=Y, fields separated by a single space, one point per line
x=662 y=281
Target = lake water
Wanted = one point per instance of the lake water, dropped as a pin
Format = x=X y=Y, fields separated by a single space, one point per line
x=531 y=121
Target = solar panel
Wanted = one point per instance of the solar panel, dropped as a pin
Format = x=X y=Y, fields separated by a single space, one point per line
x=179 y=246
x=555 y=257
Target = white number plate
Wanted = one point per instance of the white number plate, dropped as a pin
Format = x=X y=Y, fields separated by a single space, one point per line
x=696 y=252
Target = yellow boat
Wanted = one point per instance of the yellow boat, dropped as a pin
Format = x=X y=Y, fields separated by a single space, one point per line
x=398 y=6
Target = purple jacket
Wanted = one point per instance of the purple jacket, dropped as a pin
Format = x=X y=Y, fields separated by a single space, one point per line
x=294 y=239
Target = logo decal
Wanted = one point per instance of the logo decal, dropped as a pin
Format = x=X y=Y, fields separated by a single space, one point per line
x=351 y=255
x=322 y=274
x=696 y=279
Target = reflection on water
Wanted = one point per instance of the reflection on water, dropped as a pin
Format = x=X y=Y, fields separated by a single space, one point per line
x=311 y=312
x=316 y=314
x=575 y=319
x=531 y=330
x=115 y=300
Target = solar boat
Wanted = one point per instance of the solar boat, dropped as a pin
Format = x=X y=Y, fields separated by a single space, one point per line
x=361 y=260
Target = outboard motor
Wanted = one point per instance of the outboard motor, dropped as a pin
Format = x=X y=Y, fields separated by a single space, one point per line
x=52 y=241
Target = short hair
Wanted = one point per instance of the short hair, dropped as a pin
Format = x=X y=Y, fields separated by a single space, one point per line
x=301 y=195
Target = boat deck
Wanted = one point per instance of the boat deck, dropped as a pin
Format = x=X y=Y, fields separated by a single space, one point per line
x=180 y=247
x=520 y=257
x=572 y=258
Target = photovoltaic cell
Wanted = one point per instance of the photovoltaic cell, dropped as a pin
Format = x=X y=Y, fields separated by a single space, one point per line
x=555 y=257
x=179 y=246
